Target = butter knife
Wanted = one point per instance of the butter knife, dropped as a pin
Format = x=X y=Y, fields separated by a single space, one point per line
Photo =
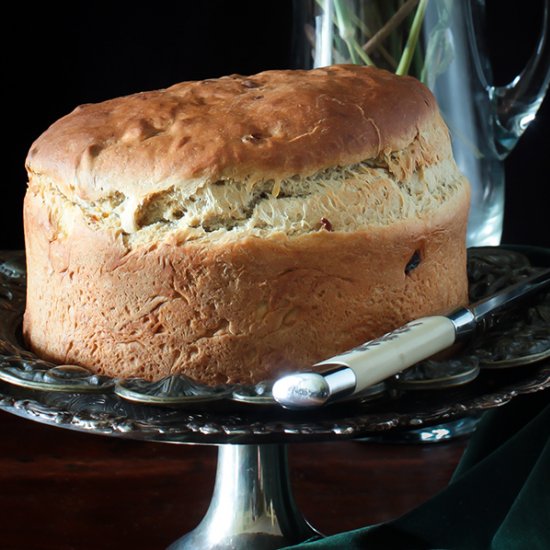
x=351 y=372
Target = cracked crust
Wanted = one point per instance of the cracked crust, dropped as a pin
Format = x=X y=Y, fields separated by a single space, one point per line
x=198 y=230
x=270 y=126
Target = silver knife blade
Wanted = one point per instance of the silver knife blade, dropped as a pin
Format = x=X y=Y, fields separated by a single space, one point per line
x=489 y=310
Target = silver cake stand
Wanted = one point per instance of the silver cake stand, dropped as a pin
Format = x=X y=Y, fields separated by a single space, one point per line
x=252 y=506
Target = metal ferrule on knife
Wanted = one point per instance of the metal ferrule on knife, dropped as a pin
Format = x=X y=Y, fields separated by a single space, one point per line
x=359 y=368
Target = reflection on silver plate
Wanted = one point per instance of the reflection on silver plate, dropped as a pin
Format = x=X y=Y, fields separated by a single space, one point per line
x=171 y=391
x=521 y=340
x=260 y=394
x=516 y=361
x=369 y=394
x=437 y=375
x=40 y=375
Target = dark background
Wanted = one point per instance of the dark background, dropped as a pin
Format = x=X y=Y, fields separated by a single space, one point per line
x=57 y=58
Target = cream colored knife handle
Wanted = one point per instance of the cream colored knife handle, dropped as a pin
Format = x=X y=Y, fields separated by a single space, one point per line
x=374 y=361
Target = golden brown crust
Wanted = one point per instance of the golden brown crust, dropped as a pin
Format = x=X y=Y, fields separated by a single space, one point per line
x=238 y=228
x=273 y=125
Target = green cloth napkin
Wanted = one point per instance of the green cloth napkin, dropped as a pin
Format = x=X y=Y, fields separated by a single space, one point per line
x=498 y=497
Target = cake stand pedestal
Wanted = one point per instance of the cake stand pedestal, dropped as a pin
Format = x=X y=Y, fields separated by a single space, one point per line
x=252 y=505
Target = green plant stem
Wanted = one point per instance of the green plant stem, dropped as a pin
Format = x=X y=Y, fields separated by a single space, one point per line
x=346 y=31
x=408 y=52
x=397 y=18
x=360 y=52
x=345 y=28
x=367 y=32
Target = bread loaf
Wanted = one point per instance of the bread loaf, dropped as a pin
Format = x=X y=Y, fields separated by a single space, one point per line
x=237 y=228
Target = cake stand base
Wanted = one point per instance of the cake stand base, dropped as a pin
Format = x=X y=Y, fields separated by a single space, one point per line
x=252 y=506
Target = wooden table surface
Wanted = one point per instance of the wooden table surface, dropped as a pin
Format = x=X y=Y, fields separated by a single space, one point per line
x=65 y=490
